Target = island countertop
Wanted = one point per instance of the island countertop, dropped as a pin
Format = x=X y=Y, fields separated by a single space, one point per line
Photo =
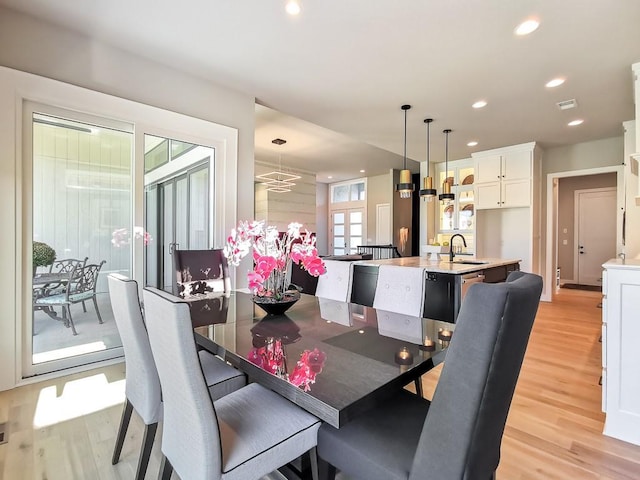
x=458 y=267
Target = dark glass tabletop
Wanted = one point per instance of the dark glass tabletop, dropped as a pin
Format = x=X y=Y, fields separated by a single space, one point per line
x=334 y=359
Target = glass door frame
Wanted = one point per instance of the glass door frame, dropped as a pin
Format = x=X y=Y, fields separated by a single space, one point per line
x=29 y=369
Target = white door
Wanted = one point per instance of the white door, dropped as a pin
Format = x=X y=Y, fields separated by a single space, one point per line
x=595 y=213
x=383 y=224
x=347 y=230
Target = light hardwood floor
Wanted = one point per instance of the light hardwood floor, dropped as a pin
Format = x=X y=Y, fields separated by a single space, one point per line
x=65 y=429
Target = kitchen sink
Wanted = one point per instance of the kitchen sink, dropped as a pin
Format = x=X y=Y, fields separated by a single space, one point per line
x=471 y=262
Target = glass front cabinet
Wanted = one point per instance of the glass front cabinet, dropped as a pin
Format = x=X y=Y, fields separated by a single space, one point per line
x=458 y=215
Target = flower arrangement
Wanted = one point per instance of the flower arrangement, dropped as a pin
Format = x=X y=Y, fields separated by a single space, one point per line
x=273 y=255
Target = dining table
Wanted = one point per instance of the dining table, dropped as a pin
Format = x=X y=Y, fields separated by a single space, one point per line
x=333 y=359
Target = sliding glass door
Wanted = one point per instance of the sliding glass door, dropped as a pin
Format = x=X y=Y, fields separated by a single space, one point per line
x=80 y=177
x=178 y=205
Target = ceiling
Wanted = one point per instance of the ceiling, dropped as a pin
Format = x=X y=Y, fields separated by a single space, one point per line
x=332 y=79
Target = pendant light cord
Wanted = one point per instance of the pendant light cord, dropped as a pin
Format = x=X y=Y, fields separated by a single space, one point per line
x=428 y=143
x=404 y=163
x=446 y=153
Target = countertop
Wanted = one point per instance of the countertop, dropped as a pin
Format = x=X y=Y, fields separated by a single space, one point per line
x=630 y=263
x=438 y=266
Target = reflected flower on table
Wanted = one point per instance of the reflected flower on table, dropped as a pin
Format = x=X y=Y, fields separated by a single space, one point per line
x=310 y=364
x=272 y=359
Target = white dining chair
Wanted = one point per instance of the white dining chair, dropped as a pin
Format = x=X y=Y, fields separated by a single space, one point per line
x=335 y=284
x=400 y=289
x=142 y=387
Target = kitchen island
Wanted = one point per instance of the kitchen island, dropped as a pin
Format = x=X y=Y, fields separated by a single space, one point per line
x=445 y=282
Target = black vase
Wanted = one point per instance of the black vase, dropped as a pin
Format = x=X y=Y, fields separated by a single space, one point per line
x=275 y=306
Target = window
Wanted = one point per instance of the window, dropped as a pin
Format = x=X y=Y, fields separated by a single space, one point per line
x=352 y=191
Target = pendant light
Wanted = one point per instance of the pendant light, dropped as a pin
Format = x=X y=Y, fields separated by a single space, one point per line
x=278 y=181
x=405 y=186
x=428 y=192
x=446 y=194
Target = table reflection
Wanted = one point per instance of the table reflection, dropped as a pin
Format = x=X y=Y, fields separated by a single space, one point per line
x=209 y=310
x=269 y=338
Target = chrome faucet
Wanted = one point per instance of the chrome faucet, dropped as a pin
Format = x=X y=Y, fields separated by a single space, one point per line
x=451 y=252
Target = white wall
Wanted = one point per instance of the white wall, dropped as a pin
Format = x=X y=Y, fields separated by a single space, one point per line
x=40 y=48
x=378 y=192
x=322 y=218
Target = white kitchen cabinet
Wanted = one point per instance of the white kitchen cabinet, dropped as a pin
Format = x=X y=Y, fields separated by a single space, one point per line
x=503 y=177
x=620 y=352
x=507 y=201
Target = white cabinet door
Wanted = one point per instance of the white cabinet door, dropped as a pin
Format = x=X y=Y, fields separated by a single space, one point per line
x=516 y=165
x=487 y=195
x=621 y=381
x=516 y=193
x=488 y=169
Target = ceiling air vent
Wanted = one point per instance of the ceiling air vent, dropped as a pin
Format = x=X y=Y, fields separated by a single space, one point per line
x=567 y=104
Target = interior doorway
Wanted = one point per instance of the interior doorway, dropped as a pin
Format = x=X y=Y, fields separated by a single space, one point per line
x=560 y=243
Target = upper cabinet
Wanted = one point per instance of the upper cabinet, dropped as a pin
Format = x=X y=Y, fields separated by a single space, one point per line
x=457 y=216
x=503 y=177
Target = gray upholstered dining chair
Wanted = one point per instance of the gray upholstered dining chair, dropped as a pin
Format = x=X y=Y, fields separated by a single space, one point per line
x=458 y=434
x=242 y=436
x=142 y=384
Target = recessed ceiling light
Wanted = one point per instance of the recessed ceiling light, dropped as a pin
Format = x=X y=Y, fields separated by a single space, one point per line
x=472 y=144
x=330 y=177
x=361 y=171
x=573 y=123
x=292 y=7
x=527 y=27
x=556 y=82
x=479 y=104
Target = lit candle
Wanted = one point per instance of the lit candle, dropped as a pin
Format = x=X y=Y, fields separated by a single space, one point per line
x=429 y=345
x=404 y=356
x=444 y=335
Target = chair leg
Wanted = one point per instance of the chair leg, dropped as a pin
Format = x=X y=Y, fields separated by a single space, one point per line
x=326 y=470
x=313 y=458
x=95 y=304
x=122 y=431
x=84 y=307
x=418 y=384
x=165 y=469
x=73 y=327
x=147 y=445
